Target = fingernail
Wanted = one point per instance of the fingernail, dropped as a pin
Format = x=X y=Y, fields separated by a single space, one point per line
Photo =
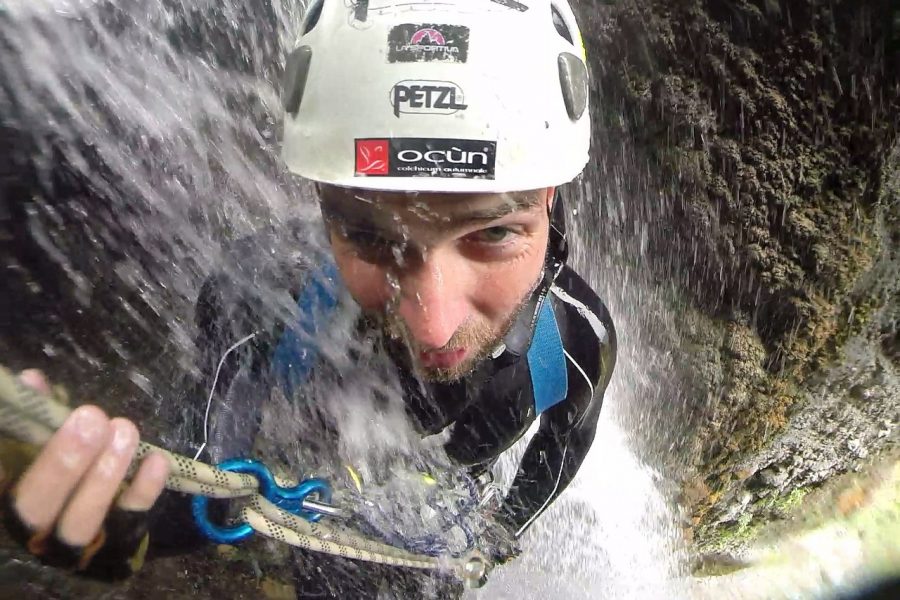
x=160 y=466
x=34 y=378
x=72 y=460
x=31 y=374
x=123 y=438
x=88 y=423
x=107 y=464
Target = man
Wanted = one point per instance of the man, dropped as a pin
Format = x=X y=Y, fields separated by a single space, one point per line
x=436 y=135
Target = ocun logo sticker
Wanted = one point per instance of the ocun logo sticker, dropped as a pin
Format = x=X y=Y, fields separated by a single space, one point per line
x=421 y=42
x=372 y=157
x=427 y=97
x=425 y=157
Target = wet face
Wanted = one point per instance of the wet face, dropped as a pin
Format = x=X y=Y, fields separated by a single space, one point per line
x=445 y=274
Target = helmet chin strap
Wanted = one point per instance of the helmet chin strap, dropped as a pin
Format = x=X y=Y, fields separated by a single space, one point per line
x=518 y=339
x=558 y=246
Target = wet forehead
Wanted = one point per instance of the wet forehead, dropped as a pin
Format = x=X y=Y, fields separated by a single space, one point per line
x=432 y=209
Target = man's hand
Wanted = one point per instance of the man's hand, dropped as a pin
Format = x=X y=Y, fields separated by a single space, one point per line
x=71 y=486
x=498 y=542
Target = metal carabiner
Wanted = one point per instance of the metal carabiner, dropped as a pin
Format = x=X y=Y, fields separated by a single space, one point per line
x=293 y=500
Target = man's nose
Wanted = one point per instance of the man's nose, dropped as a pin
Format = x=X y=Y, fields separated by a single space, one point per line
x=432 y=300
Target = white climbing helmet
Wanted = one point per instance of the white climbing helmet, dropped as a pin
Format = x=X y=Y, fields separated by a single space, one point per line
x=438 y=95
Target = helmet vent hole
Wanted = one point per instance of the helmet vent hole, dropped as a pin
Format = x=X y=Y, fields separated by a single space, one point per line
x=560 y=24
x=362 y=11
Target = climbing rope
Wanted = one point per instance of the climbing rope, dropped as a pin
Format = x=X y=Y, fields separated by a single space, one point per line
x=277 y=508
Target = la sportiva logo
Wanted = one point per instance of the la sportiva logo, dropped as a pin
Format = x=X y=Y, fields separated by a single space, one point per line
x=430 y=37
x=427 y=97
x=425 y=157
x=421 y=42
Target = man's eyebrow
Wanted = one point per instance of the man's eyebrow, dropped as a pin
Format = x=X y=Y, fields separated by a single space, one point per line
x=513 y=203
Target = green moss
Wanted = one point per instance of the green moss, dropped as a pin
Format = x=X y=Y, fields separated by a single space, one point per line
x=869 y=533
x=716 y=566
x=791 y=501
x=725 y=538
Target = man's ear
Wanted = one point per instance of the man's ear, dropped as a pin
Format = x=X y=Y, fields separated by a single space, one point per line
x=551 y=195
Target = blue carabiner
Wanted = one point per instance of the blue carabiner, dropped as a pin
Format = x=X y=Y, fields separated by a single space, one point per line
x=288 y=499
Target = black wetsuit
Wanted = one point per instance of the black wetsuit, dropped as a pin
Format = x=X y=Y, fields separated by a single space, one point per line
x=488 y=411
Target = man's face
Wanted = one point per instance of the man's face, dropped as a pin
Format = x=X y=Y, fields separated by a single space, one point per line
x=443 y=273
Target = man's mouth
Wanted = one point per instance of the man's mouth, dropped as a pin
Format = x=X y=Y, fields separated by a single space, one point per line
x=442 y=359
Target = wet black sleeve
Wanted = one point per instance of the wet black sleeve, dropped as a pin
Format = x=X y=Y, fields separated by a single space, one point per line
x=220 y=322
x=567 y=430
x=251 y=296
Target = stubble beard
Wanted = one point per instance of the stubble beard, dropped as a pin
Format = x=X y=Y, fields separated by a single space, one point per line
x=480 y=336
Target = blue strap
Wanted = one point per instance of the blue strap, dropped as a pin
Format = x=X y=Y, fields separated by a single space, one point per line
x=546 y=361
x=296 y=353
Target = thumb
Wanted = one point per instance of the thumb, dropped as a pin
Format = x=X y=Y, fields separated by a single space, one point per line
x=35 y=379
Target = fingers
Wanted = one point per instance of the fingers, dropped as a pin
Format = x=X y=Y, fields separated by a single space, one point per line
x=87 y=508
x=69 y=488
x=147 y=485
x=44 y=488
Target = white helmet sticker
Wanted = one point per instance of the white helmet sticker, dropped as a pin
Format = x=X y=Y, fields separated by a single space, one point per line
x=424 y=42
x=425 y=157
x=427 y=98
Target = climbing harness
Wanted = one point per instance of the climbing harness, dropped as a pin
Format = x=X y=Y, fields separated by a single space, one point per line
x=277 y=508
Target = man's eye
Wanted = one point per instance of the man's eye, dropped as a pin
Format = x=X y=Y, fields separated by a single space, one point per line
x=493 y=235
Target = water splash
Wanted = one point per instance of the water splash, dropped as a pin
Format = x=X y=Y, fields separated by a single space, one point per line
x=154 y=141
